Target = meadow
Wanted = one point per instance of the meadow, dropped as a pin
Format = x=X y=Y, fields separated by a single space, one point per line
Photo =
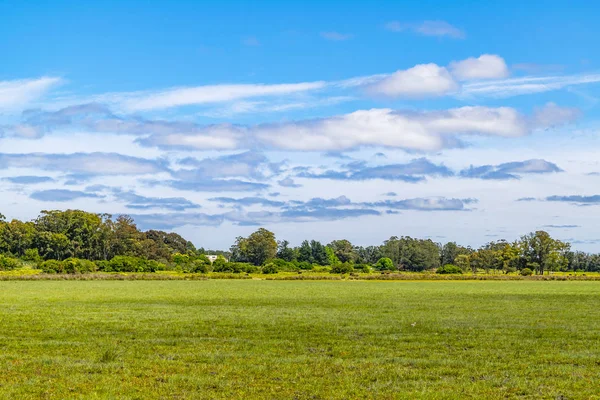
x=176 y=339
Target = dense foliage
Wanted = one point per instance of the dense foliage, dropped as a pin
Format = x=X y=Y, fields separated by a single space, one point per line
x=75 y=241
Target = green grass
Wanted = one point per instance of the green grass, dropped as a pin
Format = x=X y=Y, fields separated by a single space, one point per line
x=299 y=340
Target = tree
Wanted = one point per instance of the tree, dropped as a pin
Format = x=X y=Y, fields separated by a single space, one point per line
x=543 y=252
x=368 y=255
x=450 y=251
x=261 y=246
x=384 y=264
x=343 y=250
x=463 y=262
x=319 y=253
x=412 y=254
x=305 y=252
x=285 y=252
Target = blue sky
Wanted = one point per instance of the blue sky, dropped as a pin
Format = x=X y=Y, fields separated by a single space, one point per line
x=464 y=121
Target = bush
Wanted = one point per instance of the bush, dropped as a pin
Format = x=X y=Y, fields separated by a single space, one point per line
x=366 y=268
x=235 y=267
x=270 y=268
x=526 y=272
x=449 y=269
x=32 y=255
x=8 y=263
x=133 y=264
x=201 y=266
x=305 y=265
x=68 y=266
x=343 y=268
x=283 y=265
x=384 y=264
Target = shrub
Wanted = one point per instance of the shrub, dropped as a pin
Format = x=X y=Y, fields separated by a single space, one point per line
x=133 y=264
x=342 y=268
x=235 y=267
x=201 y=266
x=526 y=272
x=68 y=266
x=384 y=264
x=219 y=263
x=363 y=267
x=449 y=269
x=32 y=255
x=51 y=267
x=8 y=263
x=270 y=268
x=305 y=265
x=283 y=265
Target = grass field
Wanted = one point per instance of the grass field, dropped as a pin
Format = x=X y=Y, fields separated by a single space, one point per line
x=299 y=340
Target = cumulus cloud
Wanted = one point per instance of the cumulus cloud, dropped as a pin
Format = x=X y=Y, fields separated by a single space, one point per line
x=249 y=164
x=511 y=170
x=288 y=182
x=486 y=66
x=425 y=131
x=427 y=28
x=424 y=80
x=17 y=93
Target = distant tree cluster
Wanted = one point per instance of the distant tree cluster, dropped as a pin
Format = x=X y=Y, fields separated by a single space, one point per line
x=536 y=252
x=74 y=241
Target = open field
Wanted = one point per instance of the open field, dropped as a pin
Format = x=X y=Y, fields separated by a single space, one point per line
x=304 y=340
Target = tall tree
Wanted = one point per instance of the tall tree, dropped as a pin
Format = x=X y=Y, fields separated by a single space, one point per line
x=546 y=253
x=343 y=250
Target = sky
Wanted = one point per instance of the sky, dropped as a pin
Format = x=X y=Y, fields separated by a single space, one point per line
x=457 y=121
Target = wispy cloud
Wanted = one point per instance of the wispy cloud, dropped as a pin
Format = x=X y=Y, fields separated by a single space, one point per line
x=18 y=93
x=511 y=170
x=86 y=163
x=526 y=85
x=28 y=179
x=427 y=28
x=62 y=195
x=336 y=36
x=414 y=171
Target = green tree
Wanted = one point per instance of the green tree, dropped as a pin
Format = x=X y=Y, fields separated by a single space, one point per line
x=305 y=253
x=285 y=252
x=343 y=250
x=546 y=253
x=384 y=264
x=261 y=246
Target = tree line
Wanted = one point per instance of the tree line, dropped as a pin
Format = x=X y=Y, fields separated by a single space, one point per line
x=74 y=241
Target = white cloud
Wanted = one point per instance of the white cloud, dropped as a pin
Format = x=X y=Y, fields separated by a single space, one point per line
x=427 y=28
x=177 y=97
x=14 y=94
x=526 y=85
x=551 y=115
x=422 y=80
x=486 y=66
